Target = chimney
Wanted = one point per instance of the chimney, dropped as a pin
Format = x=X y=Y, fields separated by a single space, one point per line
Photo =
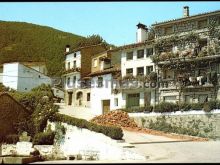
x=186 y=11
x=141 y=34
x=67 y=48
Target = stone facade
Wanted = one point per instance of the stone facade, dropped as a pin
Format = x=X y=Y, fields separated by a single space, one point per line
x=208 y=124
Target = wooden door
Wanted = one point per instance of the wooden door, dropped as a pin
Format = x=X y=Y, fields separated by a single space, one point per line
x=133 y=100
x=105 y=106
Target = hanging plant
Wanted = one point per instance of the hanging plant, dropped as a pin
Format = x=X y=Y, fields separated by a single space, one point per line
x=153 y=76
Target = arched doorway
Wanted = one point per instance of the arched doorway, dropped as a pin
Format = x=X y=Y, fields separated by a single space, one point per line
x=79 y=96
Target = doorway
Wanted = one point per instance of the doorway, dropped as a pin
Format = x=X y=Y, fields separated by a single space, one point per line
x=105 y=106
x=79 y=97
x=70 y=94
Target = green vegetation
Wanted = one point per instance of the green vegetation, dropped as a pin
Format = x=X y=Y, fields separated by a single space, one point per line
x=111 y=131
x=20 y=41
x=44 y=138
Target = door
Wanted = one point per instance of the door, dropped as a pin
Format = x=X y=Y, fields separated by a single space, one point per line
x=105 y=106
x=70 y=94
x=133 y=100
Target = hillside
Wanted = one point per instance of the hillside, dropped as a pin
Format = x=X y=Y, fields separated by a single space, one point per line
x=20 y=41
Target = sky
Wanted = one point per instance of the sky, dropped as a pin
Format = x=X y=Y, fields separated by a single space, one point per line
x=114 y=21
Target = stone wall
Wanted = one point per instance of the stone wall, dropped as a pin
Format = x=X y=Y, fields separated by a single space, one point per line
x=208 y=124
x=80 y=141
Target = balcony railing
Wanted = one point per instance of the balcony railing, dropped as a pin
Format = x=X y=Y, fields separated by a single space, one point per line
x=75 y=69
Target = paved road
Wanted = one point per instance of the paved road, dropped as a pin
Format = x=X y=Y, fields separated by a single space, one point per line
x=79 y=112
x=159 y=149
x=164 y=150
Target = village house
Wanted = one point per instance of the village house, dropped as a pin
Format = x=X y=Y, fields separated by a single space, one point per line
x=103 y=73
x=136 y=68
x=77 y=67
x=187 y=56
x=23 y=78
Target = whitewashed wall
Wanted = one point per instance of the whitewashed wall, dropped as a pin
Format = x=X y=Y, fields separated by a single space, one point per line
x=100 y=93
x=78 y=140
x=72 y=86
x=135 y=63
x=10 y=78
x=70 y=58
x=22 y=78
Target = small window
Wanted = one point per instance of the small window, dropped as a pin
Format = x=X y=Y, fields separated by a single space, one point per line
x=149 y=52
x=57 y=91
x=116 y=102
x=129 y=55
x=100 y=81
x=88 y=96
x=140 y=53
x=149 y=69
x=74 y=55
x=74 y=79
x=74 y=64
x=129 y=71
x=187 y=98
x=68 y=81
x=68 y=65
x=39 y=76
x=140 y=71
x=95 y=63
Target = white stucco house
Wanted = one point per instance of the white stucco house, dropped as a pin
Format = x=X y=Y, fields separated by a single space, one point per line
x=77 y=67
x=22 y=78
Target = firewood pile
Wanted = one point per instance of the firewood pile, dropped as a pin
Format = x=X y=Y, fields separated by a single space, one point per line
x=115 y=118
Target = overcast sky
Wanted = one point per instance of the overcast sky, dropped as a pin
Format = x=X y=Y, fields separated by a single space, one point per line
x=114 y=21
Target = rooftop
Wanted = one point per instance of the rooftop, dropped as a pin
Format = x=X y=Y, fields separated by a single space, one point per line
x=186 y=18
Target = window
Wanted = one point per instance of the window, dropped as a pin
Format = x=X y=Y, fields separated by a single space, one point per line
x=68 y=81
x=129 y=71
x=74 y=64
x=100 y=81
x=202 y=24
x=74 y=55
x=187 y=98
x=129 y=55
x=149 y=51
x=149 y=69
x=116 y=102
x=140 y=53
x=133 y=100
x=74 y=79
x=140 y=71
x=95 y=63
x=68 y=65
x=88 y=96
x=57 y=91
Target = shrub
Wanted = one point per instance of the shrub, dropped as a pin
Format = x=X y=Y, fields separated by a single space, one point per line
x=9 y=139
x=111 y=131
x=197 y=106
x=44 y=138
x=148 y=108
x=166 y=107
x=184 y=106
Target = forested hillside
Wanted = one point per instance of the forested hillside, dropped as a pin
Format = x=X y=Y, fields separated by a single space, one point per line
x=20 y=41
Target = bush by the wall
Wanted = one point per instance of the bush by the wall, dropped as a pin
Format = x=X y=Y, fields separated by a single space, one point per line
x=148 y=108
x=111 y=131
x=44 y=138
x=166 y=107
x=9 y=139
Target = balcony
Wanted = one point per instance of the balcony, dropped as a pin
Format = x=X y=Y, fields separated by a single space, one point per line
x=75 y=69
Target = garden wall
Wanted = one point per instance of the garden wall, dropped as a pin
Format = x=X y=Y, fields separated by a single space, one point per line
x=196 y=123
